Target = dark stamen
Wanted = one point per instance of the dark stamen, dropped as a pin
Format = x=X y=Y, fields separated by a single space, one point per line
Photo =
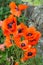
x=20 y=30
x=10 y=24
x=30 y=53
x=29 y=34
x=23 y=44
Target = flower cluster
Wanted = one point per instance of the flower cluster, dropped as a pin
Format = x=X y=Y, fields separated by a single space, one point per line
x=22 y=36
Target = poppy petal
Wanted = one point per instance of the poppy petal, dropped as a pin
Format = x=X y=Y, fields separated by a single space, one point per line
x=12 y=5
x=8 y=42
x=15 y=12
x=22 y=6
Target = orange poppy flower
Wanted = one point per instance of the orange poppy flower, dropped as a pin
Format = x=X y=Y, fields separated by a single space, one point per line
x=24 y=45
x=30 y=33
x=9 y=25
x=17 y=10
x=21 y=29
x=8 y=42
x=29 y=54
x=35 y=41
x=19 y=32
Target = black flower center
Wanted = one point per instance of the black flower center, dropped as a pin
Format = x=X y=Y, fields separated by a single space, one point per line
x=23 y=44
x=29 y=34
x=30 y=53
x=10 y=25
x=20 y=30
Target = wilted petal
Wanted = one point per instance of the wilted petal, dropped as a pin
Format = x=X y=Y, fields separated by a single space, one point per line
x=2 y=47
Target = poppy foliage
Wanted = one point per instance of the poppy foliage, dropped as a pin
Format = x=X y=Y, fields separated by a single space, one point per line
x=13 y=32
